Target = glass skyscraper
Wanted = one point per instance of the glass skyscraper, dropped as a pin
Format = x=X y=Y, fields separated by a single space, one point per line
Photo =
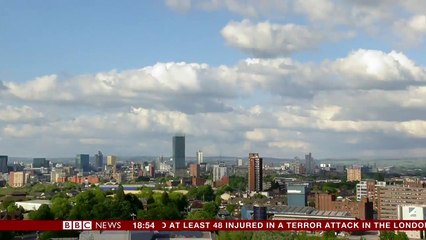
x=179 y=153
x=82 y=162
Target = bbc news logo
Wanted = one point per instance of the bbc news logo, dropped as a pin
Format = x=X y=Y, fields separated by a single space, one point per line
x=77 y=225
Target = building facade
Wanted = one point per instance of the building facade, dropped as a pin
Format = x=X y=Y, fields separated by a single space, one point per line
x=353 y=174
x=309 y=164
x=390 y=197
x=82 y=162
x=219 y=171
x=178 y=149
x=200 y=157
x=297 y=195
x=413 y=212
x=99 y=160
x=18 y=179
x=194 y=170
x=368 y=189
x=40 y=162
x=3 y=164
x=362 y=210
x=255 y=173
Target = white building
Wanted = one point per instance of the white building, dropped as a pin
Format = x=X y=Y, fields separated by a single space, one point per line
x=413 y=212
x=200 y=157
x=32 y=205
x=219 y=171
x=240 y=162
x=368 y=189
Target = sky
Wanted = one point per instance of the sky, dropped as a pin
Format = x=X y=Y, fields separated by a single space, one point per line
x=338 y=78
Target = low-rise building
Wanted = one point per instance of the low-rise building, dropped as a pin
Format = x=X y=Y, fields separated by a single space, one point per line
x=362 y=210
x=32 y=205
x=413 y=212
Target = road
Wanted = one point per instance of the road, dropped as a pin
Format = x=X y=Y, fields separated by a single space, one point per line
x=26 y=236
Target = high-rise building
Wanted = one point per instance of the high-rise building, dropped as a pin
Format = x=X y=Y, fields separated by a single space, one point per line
x=368 y=189
x=219 y=171
x=18 y=179
x=40 y=162
x=112 y=162
x=255 y=173
x=99 y=160
x=3 y=164
x=239 y=162
x=200 y=157
x=194 y=170
x=353 y=174
x=309 y=164
x=179 y=165
x=82 y=162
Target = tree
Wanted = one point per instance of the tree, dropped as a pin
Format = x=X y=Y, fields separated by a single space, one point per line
x=6 y=202
x=7 y=235
x=42 y=213
x=198 y=215
x=211 y=208
x=61 y=207
x=165 y=199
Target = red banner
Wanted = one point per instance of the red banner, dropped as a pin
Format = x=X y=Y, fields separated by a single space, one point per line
x=214 y=225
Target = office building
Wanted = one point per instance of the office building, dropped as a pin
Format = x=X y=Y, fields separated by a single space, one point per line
x=3 y=164
x=368 y=189
x=362 y=209
x=239 y=162
x=40 y=163
x=179 y=165
x=99 y=160
x=309 y=164
x=82 y=162
x=255 y=173
x=413 y=212
x=297 y=194
x=219 y=171
x=194 y=170
x=111 y=161
x=353 y=174
x=18 y=179
x=390 y=197
x=200 y=157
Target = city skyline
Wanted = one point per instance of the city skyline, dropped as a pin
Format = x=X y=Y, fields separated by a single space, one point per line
x=345 y=79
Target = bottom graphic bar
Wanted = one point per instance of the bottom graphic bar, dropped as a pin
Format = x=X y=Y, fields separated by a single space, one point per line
x=214 y=225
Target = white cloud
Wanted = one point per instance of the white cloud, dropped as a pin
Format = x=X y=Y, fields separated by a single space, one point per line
x=180 y=5
x=17 y=114
x=265 y=39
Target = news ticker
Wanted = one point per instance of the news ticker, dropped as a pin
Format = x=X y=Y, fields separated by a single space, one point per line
x=214 y=225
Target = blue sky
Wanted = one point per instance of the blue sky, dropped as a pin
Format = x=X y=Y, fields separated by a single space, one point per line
x=282 y=77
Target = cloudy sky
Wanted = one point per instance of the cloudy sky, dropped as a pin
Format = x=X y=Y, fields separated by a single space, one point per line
x=338 y=78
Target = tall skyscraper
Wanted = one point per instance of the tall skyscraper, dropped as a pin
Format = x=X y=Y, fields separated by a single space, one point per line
x=3 y=164
x=99 y=159
x=309 y=164
x=200 y=157
x=82 y=162
x=40 y=162
x=255 y=173
x=179 y=165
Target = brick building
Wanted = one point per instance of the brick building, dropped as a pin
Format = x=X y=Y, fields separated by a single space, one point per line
x=390 y=197
x=362 y=210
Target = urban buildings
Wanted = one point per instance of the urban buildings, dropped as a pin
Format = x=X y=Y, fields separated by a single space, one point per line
x=255 y=173
x=3 y=164
x=82 y=162
x=353 y=174
x=297 y=194
x=18 y=179
x=178 y=150
x=413 y=212
x=239 y=162
x=200 y=157
x=112 y=164
x=40 y=162
x=194 y=170
x=219 y=171
x=368 y=189
x=362 y=210
x=309 y=164
x=390 y=197
x=99 y=160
